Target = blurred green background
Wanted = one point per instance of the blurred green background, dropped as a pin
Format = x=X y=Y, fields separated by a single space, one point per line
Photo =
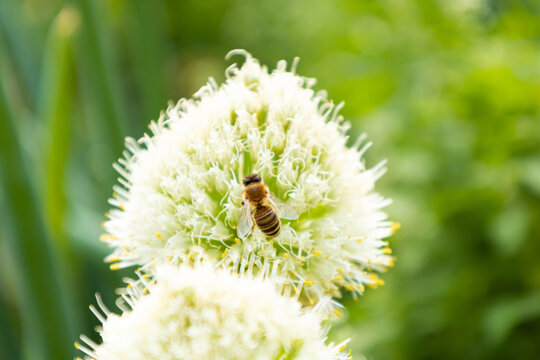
x=448 y=91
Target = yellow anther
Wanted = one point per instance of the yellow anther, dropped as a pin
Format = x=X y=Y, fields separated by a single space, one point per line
x=225 y=253
x=342 y=348
x=77 y=345
x=340 y=270
x=296 y=290
x=121 y=207
x=361 y=288
x=286 y=255
x=391 y=263
x=360 y=239
x=129 y=286
x=377 y=281
x=317 y=253
x=350 y=287
x=337 y=312
x=146 y=290
x=395 y=226
x=115 y=266
x=338 y=278
x=311 y=302
x=387 y=251
x=158 y=235
x=236 y=240
x=145 y=276
x=308 y=283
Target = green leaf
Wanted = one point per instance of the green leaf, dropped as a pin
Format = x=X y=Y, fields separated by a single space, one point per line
x=44 y=323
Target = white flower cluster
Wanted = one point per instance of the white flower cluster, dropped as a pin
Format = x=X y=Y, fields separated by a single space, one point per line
x=205 y=314
x=202 y=292
x=180 y=192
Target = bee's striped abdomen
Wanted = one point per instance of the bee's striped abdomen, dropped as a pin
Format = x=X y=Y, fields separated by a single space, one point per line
x=267 y=220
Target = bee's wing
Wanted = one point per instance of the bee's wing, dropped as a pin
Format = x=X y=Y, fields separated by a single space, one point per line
x=284 y=210
x=245 y=222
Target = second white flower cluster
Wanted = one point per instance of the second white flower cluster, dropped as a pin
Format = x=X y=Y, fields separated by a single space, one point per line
x=247 y=215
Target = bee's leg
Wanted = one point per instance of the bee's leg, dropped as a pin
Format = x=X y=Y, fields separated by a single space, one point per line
x=252 y=227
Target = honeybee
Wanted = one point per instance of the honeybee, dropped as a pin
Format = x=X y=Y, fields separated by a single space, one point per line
x=262 y=206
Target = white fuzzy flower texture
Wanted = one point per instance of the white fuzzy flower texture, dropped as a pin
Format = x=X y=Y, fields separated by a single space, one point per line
x=206 y=314
x=180 y=192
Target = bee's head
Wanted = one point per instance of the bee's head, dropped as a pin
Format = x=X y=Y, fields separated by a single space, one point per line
x=251 y=178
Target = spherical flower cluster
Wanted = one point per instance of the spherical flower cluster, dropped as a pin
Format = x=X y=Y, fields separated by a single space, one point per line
x=206 y=314
x=180 y=192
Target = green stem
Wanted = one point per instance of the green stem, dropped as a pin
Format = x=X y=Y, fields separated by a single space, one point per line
x=101 y=74
x=144 y=38
x=57 y=90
